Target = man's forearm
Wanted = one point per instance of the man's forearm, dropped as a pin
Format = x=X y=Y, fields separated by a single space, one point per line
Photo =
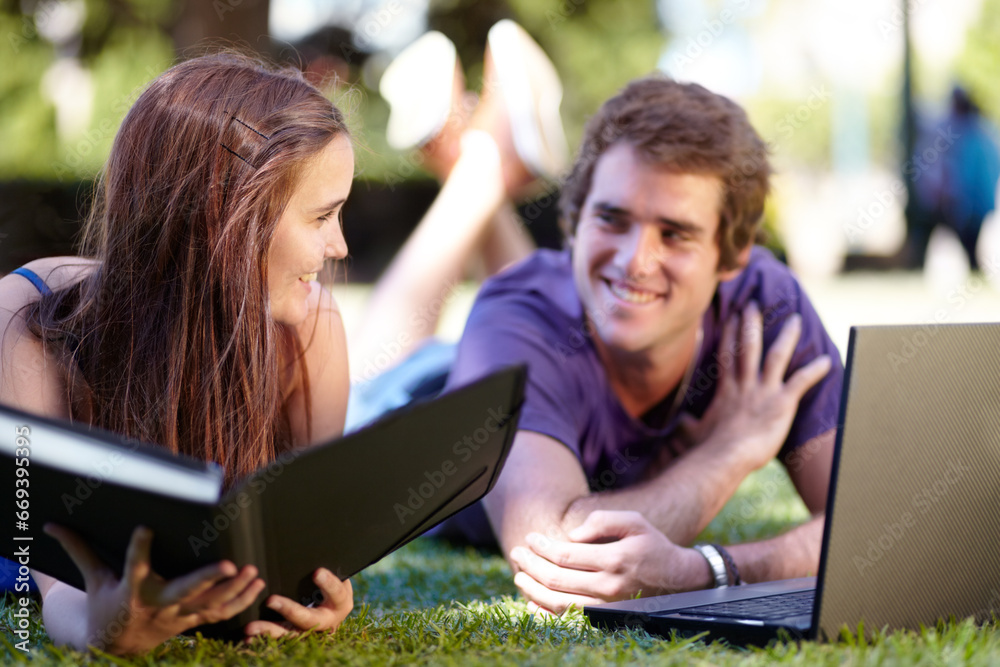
x=787 y=556
x=682 y=499
x=539 y=482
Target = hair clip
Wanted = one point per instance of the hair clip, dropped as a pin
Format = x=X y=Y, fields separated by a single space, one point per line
x=236 y=154
x=252 y=129
x=261 y=134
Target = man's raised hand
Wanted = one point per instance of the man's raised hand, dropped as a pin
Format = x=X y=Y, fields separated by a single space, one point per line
x=753 y=407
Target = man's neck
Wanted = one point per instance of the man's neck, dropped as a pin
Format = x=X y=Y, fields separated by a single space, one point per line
x=642 y=380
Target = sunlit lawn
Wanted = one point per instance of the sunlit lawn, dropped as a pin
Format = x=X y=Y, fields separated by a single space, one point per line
x=433 y=603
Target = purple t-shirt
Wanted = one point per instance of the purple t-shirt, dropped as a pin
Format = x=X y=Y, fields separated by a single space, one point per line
x=531 y=313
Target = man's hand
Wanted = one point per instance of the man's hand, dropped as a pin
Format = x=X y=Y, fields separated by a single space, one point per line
x=612 y=555
x=142 y=610
x=754 y=408
x=338 y=600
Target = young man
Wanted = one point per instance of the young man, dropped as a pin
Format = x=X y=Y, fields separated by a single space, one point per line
x=644 y=341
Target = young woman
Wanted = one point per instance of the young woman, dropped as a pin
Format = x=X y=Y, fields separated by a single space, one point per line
x=193 y=318
x=196 y=325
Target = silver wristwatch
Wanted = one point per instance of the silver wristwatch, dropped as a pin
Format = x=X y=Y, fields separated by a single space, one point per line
x=715 y=562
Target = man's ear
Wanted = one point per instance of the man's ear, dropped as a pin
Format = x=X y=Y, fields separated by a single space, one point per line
x=569 y=238
x=742 y=259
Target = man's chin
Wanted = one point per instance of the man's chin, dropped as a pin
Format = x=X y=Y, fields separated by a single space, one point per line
x=624 y=342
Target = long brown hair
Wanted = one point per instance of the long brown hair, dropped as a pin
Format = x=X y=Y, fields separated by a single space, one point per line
x=170 y=340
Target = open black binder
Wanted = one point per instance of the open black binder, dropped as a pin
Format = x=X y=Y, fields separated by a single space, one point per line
x=342 y=505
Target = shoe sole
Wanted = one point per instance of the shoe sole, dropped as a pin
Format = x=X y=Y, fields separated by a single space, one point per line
x=532 y=92
x=418 y=86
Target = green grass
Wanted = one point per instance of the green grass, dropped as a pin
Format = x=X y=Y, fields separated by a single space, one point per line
x=432 y=603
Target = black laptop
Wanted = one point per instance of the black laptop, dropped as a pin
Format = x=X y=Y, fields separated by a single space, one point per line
x=912 y=532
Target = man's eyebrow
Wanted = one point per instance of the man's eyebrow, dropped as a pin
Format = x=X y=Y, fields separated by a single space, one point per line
x=681 y=226
x=676 y=225
x=328 y=207
x=606 y=207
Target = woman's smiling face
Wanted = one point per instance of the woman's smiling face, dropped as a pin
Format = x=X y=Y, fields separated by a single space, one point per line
x=309 y=231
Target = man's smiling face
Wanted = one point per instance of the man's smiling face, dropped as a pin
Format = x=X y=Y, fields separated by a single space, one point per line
x=645 y=254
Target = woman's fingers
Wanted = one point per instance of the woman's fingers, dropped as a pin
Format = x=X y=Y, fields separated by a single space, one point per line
x=195 y=583
x=339 y=595
x=237 y=603
x=338 y=600
x=266 y=628
x=90 y=565
x=225 y=590
x=302 y=617
x=220 y=608
x=137 y=557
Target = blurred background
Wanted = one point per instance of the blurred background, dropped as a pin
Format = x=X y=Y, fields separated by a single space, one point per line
x=881 y=118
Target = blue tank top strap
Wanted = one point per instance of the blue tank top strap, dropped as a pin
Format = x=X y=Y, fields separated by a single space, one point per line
x=72 y=342
x=35 y=280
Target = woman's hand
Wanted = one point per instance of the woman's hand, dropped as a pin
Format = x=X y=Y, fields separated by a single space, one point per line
x=613 y=555
x=338 y=600
x=142 y=610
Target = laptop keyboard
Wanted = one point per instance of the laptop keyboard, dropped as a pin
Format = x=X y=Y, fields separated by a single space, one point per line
x=782 y=605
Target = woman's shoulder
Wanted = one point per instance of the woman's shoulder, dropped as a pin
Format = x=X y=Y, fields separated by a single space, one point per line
x=17 y=291
x=325 y=355
x=322 y=332
x=29 y=379
x=323 y=324
x=61 y=272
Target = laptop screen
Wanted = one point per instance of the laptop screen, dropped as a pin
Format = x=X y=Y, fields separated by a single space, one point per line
x=912 y=532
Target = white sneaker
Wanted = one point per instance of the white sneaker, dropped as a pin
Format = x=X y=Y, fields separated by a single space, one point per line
x=419 y=86
x=532 y=92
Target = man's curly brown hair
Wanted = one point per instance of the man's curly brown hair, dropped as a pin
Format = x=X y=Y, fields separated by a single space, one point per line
x=688 y=129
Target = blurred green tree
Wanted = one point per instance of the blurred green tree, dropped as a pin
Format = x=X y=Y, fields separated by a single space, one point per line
x=116 y=46
x=979 y=65
x=597 y=46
